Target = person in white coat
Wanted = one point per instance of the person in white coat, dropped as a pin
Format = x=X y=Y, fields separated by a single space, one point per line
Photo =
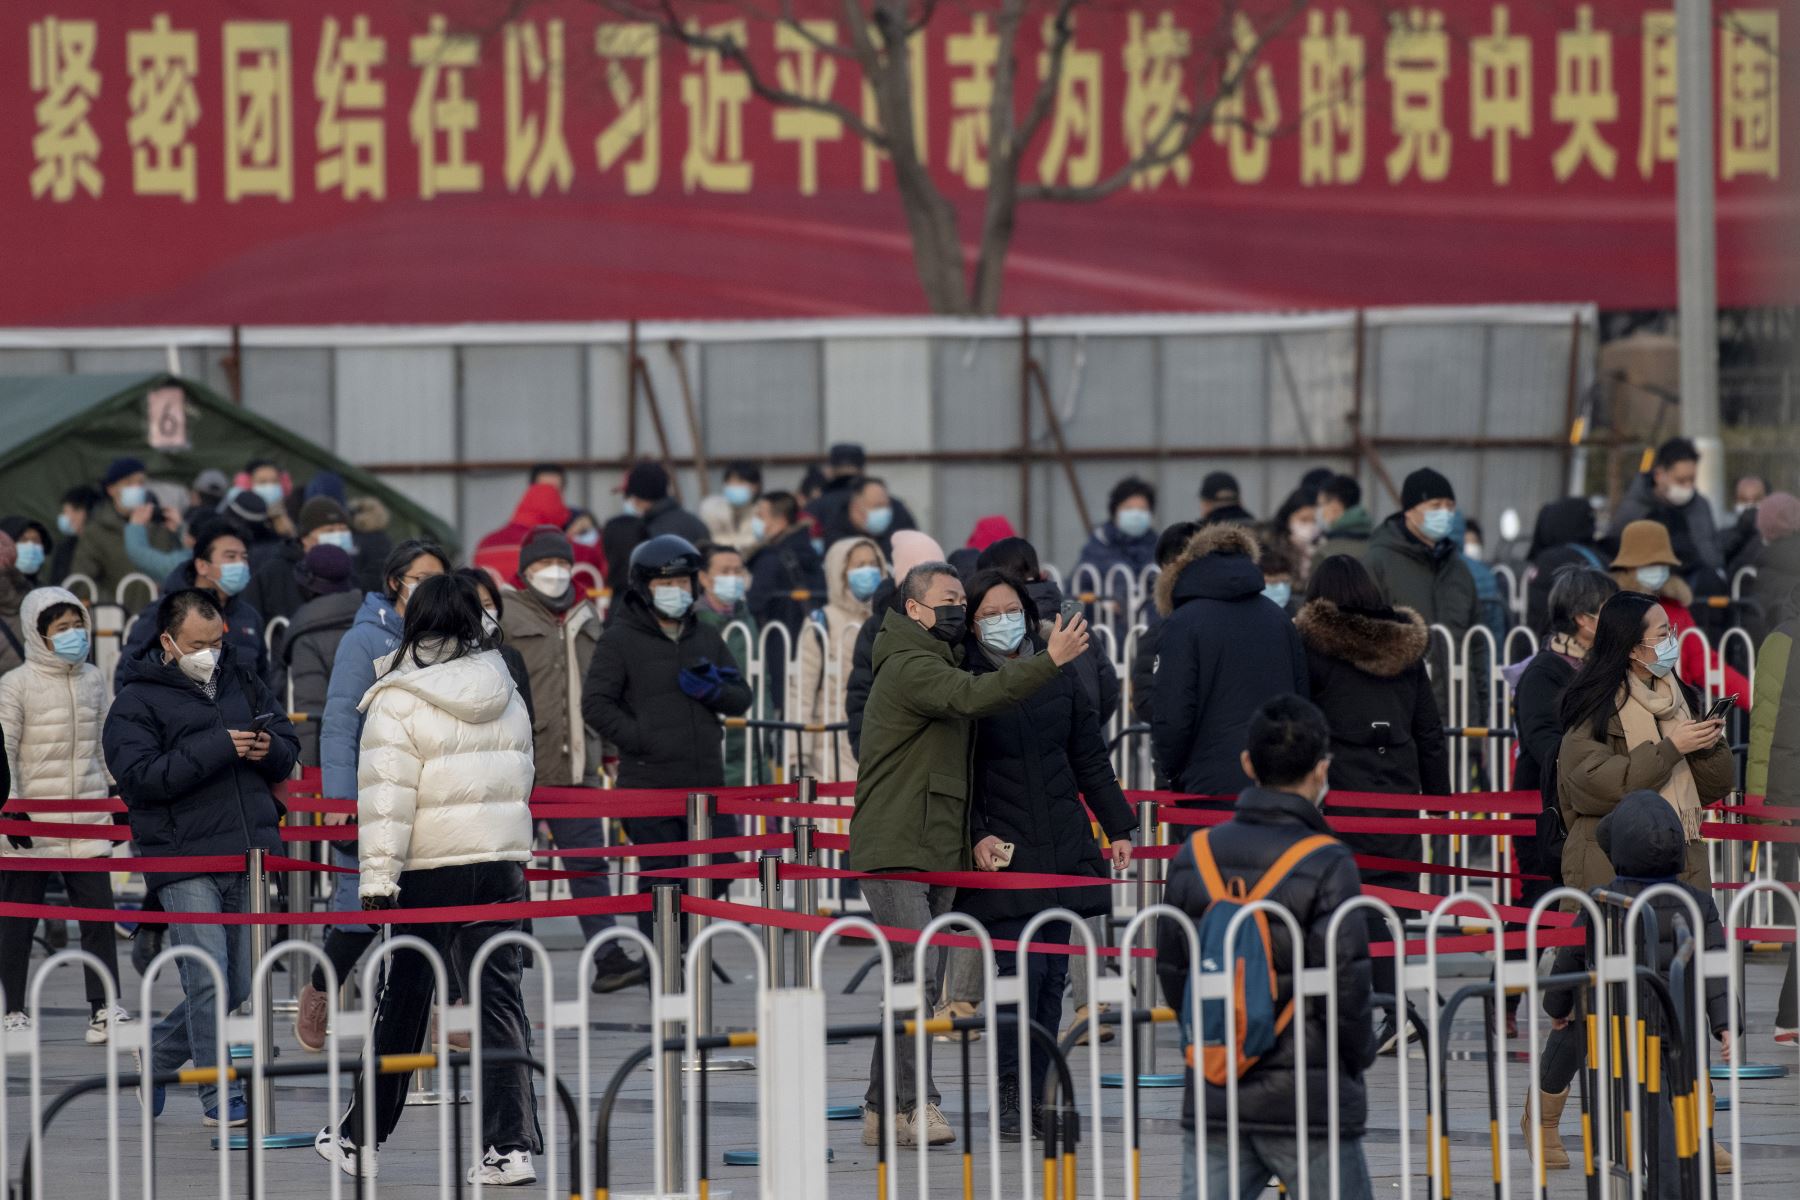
x=52 y=709
x=854 y=569
x=444 y=780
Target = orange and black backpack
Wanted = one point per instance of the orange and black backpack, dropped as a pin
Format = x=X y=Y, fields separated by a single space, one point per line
x=1252 y=963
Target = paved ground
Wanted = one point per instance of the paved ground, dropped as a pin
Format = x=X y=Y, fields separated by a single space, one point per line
x=1769 y=1157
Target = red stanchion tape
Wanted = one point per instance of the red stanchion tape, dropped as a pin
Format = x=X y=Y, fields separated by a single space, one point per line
x=211 y=864
x=1374 y=862
x=1473 y=826
x=318 y=833
x=640 y=902
x=59 y=829
x=100 y=804
x=787 y=808
x=726 y=845
x=1767 y=812
x=1425 y=902
x=1481 y=941
x=318 y=804
x=1728 y=832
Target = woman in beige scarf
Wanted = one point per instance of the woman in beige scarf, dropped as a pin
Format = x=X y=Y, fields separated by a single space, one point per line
x=1629 y=724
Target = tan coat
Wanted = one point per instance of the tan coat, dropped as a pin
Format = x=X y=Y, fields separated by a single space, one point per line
x=1593 y=776
x=556 y=654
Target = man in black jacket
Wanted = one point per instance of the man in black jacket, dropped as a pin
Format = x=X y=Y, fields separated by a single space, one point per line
x=658 y=684
x=1287 y=758
x=221 y=569
x=649 y=512
x=1224 y=651
x=196 y=775
x=783 y=564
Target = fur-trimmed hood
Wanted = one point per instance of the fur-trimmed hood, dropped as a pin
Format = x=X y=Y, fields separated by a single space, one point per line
x=1383 y=643
x=368 y=515
x=1232 y=577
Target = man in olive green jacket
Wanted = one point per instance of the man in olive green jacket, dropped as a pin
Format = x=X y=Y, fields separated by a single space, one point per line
x=1773 y=772
x=912 y=788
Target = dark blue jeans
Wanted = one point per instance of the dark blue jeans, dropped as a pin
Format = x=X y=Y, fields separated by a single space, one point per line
x=1046 y=976
x=191 y=1027
x=403 y=1011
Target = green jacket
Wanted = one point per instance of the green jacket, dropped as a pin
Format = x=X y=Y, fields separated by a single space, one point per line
x=1435 y=585
x=100 y=553
x=1773 y=768
x=912 y=789
x=735 y=775
x=1350 y=535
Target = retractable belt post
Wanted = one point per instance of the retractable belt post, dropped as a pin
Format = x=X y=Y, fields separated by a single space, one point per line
x=1145 y=968
x=665 y=931
x=809 y=898
x=768 y=868
x=699 y=820
x=264 y=1049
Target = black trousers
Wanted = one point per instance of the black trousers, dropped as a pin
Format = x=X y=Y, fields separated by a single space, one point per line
x=572 y=833
x=86 y=889
x=1046 y=975
x=403 y=1011
x=646 y=831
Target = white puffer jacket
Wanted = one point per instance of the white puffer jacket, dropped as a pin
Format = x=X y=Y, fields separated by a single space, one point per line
x=445 y=770
x=53 y=713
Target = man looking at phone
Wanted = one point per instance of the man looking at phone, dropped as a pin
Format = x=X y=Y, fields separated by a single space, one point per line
x=912 y=791
x=197 y=743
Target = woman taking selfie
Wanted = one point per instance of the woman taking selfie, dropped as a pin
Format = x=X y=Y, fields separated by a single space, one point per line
x=1628 y=723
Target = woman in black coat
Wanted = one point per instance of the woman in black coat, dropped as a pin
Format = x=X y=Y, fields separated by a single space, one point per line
x=1033 y=767
x=1366 y=665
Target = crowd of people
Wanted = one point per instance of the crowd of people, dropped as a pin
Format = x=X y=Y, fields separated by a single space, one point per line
x=1276 y=660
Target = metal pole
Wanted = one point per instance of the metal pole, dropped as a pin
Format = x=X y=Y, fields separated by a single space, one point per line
x=666 y=933
x=809 y=904
x=769 y=867
x=265 y=1025
x=699 y=820
x=299 y=900
x=1145 y=968
x=1695 y=239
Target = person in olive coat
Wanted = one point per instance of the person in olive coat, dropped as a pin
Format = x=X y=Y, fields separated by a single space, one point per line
x=1034 y=765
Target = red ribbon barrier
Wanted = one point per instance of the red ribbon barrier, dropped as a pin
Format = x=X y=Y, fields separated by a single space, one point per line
x=725 y=845
x=1729 y=832
x=99 y=804
x=1425 y=902
x=1473 y=826
x=58 y=829
x=1374 y=862
x=640 y=902
x=211 y=864
x=1767 y=812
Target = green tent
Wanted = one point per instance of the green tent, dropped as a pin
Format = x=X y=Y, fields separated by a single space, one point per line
x=60 y=430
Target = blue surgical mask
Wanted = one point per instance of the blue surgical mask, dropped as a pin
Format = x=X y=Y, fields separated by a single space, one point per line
x=133 y=496
x=1280 y=593
x=587 y=537
x=672 y=602
x=1001 y=633
x=730 y=588
x=1438 y=523
x=71 y=645
x=271 y=494
x=343 y=539
x=739 y=495
x=879 y=519
x=863 y=581
x=818 y=545
x=234 y=577
x=1133 y=522
x=31 y=557
x=628 y=507
x=759 y=529
x=64 y=525
x=1651 y=579
x=1668 y=653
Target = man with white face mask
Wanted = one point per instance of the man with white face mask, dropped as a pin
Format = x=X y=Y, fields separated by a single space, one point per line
x=1668 y=495
x=197 y=741
x=553 y=625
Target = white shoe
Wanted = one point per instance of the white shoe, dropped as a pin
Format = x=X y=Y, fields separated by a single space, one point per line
x=17 y=1022
x=342 y=1151
x=503 y=1170
x=100 y=1025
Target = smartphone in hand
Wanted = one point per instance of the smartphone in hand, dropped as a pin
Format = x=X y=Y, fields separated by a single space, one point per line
x=1720 y=707
x=262 y=722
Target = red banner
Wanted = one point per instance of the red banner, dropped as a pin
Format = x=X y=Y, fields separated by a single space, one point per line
x=217 y=161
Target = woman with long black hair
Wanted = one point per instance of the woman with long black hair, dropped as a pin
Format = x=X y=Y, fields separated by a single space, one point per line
x=1628 y=723
x=1033 y=767
x=443 y=784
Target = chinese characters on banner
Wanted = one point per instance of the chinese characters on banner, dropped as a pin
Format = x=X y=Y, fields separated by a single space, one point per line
x=189 y=151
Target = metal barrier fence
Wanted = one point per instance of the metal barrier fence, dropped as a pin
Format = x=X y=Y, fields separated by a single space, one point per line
x=1646 y=1063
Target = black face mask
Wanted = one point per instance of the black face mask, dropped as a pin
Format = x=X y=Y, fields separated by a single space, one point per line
x=952 y=623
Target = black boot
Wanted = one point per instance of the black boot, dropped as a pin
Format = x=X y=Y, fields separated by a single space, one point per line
x=1009 y=1109
x=615 y=970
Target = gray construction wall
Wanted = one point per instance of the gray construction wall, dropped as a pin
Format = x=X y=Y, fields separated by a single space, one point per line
x=449 y=415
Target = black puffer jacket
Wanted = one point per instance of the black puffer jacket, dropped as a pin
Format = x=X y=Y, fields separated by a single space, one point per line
x=1643 y=838
x=1265 y=824
x=1225 y=650
x=243 y=630
x=1033 y=766
x=1099 y=678
x=633 y=696
x=308 y=646
x=1367 y=669
x=778 y=571
x=862 y=672
x=187 y=790
x=1537 y=700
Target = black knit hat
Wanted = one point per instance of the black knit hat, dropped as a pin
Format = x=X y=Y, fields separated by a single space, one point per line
x=646 y=481
x=1422 y=485
x=545 y=541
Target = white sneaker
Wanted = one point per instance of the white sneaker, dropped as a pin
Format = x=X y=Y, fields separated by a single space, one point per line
x=503 y=1170
x=100 y=1025
x=17 y=1022
x=342 y=1151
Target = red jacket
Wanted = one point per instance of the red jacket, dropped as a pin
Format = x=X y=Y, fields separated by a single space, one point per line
x=1694 y=664
x=542 y=504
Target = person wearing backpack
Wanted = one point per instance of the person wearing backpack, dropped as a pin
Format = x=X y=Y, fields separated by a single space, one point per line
x=1276 y=846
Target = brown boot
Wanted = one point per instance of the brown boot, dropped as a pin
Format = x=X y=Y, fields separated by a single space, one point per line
x=1549 y=1107
x=1722 y=1164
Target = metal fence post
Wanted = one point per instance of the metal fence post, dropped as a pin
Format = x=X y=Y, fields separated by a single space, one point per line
x=264 y=1049
x=1145 y=968
x=808 y=902
x=699 y=828
x=769 y=867
x=666 y=933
